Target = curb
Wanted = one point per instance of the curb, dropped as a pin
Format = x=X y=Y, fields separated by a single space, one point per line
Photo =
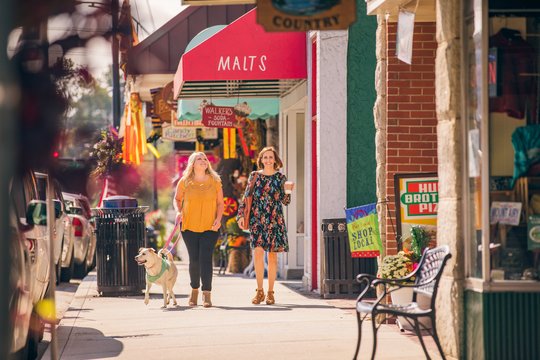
x=87 y=285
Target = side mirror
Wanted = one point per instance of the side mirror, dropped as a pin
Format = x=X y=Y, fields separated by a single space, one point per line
x=57 y=208
x=36 y=213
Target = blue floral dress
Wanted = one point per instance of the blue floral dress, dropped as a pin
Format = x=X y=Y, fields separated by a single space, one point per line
x=267 y=224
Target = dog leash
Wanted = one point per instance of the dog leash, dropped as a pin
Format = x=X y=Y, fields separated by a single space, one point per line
x=168 y=242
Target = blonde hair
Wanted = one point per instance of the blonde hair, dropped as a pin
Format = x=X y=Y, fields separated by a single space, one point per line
x=277 y=165
x=190 y=172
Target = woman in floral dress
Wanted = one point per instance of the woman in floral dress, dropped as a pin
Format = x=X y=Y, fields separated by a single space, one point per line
x=269 y=189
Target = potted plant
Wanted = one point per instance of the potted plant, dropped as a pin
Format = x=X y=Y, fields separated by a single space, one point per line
x=405 y=262
x=396 y=267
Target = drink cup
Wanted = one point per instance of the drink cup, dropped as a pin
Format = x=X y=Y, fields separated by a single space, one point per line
x=289 y=185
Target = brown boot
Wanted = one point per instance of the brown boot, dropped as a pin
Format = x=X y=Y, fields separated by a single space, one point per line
x=270 y=298
x=207 y=301
x=193 y=297
x=259 y=297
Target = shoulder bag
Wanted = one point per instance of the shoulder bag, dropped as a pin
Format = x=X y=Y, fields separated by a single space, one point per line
x=248 y=200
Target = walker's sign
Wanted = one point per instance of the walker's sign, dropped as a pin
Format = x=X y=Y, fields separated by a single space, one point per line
x=218 y=116
x=305 y=15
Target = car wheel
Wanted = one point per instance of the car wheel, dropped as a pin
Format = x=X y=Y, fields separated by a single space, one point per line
x=67 y=273
x=58 y=271
x=35 y=335
x=93 y=266
x=81 y=269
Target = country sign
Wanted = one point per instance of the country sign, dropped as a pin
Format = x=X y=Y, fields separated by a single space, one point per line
x=306 y=15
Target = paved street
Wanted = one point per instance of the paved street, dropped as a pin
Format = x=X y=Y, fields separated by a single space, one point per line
x=297 y=327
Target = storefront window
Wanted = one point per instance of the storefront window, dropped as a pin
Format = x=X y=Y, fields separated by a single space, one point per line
x=473 y=117
x=502 y=52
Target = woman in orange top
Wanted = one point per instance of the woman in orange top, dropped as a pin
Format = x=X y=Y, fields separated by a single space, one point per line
x=199 y=202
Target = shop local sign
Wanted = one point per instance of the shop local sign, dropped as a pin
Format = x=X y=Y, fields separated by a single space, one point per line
x=363 y=230
x=218 y=116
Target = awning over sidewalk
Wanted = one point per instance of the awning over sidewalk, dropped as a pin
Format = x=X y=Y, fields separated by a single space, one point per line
x=242 y=60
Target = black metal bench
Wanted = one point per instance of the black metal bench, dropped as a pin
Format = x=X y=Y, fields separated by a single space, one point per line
x=428 y=273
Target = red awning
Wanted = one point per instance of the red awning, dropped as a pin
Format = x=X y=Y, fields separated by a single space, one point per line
x=242 y=60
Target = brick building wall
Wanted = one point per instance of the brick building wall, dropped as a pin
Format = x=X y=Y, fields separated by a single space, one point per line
x=411 y=116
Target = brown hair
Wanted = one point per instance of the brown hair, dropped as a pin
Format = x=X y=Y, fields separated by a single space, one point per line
x=277 y=165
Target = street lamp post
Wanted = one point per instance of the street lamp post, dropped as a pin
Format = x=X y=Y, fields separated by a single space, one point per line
x=115 y=64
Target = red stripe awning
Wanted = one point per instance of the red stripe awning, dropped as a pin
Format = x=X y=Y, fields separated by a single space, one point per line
x=242 y=56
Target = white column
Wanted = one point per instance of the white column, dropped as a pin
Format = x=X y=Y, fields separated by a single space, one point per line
x=331 y=128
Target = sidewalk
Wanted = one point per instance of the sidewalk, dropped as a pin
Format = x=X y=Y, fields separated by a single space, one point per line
x=297 y=327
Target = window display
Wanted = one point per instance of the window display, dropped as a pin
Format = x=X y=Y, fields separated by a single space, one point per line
x=502 y=136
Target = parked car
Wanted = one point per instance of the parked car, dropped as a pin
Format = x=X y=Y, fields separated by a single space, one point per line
x=29 y=256
x=82 y=234
x=20 y=285
x=63 y=246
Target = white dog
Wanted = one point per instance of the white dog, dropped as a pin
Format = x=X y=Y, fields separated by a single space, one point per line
x=160 y=271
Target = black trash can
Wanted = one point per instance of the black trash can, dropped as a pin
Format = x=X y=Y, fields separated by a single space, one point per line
x=120 y=233
x=340 y=269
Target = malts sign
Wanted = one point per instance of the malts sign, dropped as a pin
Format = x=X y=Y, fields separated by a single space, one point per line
x=417 y=200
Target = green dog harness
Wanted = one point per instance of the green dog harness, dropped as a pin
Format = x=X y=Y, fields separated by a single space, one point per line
x=164 y=267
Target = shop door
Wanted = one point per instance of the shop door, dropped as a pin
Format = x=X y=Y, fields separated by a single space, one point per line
x=294 y=167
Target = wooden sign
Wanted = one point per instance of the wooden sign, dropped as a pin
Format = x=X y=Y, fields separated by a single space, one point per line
x=218 y=116
x=162 y=101
x=174 y=133
x=294 y=15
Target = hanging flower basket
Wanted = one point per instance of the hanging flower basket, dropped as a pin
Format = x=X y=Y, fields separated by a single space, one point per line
x=108 y=154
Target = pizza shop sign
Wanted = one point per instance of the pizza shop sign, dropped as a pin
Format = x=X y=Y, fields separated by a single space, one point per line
x=417 y=202
x=421 y=197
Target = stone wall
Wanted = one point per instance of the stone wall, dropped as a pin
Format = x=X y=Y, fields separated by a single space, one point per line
x=450 y=304
x=379 y=117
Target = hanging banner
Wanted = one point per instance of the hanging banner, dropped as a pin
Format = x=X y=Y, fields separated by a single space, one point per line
x=417 y=200
x=218 y=116
x=363 y=229
x=294 y=15
x=405 y=34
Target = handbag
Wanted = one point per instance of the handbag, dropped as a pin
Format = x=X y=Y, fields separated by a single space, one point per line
x=248 y=200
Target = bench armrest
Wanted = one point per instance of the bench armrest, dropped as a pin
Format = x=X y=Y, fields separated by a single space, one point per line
x=367 y=279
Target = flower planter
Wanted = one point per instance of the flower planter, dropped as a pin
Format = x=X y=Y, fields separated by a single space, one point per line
x=404 y=296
